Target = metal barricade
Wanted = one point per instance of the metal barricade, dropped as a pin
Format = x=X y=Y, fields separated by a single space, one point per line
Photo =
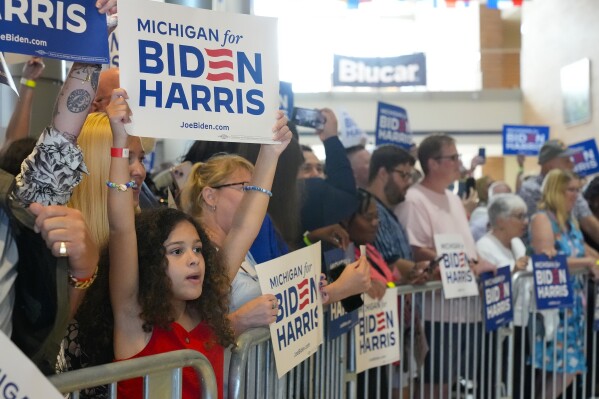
x=463 y=360
x=162 y=375
x=252 y=370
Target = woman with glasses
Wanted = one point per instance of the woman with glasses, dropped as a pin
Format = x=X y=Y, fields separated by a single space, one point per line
x=554 y=231
x=503 y=247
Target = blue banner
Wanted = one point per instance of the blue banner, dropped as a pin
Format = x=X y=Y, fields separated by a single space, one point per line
x=392 y=126
x=73 y=30
x=524 y=140
x=405 y=70
x=339 y=321
x=497 y=298
x=286 y=98
x=586 y=159
x=552 y=282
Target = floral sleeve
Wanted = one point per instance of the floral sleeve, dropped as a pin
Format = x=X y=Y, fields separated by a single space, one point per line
x=49 y=174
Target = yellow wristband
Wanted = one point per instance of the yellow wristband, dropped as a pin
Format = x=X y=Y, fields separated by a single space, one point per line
x=306 y=239
x=28 y=83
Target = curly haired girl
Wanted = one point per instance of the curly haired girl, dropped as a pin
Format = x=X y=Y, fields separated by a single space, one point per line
x=167 y=288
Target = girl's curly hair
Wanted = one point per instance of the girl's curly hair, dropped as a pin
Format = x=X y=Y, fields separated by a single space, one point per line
x=153 y=228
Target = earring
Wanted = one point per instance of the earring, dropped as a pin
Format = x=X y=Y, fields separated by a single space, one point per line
x=213 y=208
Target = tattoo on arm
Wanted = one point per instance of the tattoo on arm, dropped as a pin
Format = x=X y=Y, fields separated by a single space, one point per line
x=78 y=101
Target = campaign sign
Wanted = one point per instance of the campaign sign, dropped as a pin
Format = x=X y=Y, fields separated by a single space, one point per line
x=497 y=298
x=5 y=76
x=339 y=321
x=552 y=282
x=350 y=133
x=377 y=332
x=198 y=74
x=392 y=126
x=286 y=98
x=71 y=30
x=456 y=275
x=19 y=377
x=113 y=47
x=586 y=158
x=524 y=140
x=405 y=70
x=298 y=329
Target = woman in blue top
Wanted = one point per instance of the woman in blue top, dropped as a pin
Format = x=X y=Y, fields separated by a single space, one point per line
x=554 y=231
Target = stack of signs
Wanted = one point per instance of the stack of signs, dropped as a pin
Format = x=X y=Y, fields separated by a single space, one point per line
x=552 y=282
x=5 y=76
x=456 y=275
x=524 y=140
x=497 y=298
x=392 y=126
x=198 y=74
x=294 y=280
x=377 y=333
x=286 y=98
x=350 y=133
x=73 y=30
x=340 y=321
x=586 y=158
x=19 y=377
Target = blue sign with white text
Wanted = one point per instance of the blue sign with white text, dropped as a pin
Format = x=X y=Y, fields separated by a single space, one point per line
x=286 y=98
x=586 y=159
x=524 y=140
x=73 y=30
x=497 y=298
x=405 y=70
x=552 y=282
x=392 y=126
x=339 y=321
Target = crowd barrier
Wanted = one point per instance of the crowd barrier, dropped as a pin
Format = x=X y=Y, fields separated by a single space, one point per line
x=483 y=364
x=162 y=375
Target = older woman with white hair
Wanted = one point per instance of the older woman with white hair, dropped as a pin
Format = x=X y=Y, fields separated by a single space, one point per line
x=503 y=247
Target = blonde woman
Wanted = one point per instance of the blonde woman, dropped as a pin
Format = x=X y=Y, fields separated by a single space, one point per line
x=554 y=231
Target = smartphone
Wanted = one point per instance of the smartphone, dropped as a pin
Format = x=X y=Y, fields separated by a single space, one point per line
x=470 y=183
x=180 y=173
x=482 y=152
x=308 y=118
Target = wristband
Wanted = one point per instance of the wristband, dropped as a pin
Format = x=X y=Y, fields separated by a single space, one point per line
x=306 y=239
x=119 y=152
x=28 y=82
x=82 y=283
x=259 y=189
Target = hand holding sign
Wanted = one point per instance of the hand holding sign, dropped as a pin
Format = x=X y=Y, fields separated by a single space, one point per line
x=282 y=135
x=355 y=279
x=259 y=312
x=107 y=6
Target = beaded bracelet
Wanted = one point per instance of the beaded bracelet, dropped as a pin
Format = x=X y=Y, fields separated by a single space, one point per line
x=121 y=187
x=256 y=188
x=82 y=283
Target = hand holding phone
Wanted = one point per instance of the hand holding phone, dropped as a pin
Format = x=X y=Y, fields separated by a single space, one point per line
x=307 y=117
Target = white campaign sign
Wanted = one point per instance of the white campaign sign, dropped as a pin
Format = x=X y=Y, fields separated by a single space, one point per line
x=19 y=377
x=198 y=74
x=458 y=279
x=377 y=332
x=294 y=280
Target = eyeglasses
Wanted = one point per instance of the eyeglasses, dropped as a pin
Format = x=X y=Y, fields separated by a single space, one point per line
x=453 y=157
x=402 y=174
x=241 y=185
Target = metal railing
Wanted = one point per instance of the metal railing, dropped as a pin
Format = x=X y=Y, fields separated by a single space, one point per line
x=162 y=375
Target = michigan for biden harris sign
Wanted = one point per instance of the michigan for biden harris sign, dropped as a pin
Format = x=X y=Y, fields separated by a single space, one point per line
x=298 y=329
x=198 y=74
x=71 y=30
